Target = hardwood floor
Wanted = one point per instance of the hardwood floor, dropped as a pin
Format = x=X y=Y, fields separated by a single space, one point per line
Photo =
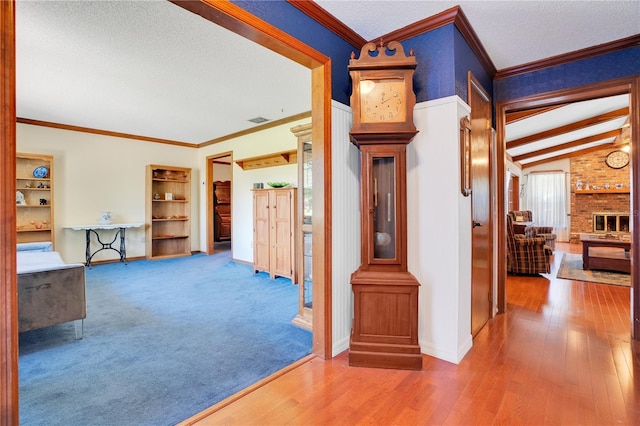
x=561 y=355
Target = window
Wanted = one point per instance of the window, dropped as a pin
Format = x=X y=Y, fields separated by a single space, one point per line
x=546 y=197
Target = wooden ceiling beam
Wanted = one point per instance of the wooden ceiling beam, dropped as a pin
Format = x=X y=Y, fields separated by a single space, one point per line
x=598 y=119
x=512 y=117
x=568 y=145
x=569 y=155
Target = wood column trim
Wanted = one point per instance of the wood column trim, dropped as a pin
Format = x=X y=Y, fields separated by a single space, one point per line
x=8 y=294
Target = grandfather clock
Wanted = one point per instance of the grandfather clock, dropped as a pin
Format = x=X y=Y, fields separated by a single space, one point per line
x=385 y=325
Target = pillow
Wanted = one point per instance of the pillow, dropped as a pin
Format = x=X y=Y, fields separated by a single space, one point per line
x=519 y=218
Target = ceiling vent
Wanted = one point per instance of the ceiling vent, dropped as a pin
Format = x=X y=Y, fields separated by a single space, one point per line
x=259 y=120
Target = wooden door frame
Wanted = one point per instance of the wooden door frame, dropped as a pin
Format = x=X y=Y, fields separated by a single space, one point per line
x=239 y=21
x=626 y=85
x=210 y=213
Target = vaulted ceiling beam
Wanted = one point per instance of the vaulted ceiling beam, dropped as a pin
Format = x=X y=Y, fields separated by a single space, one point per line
x=569 y=155
x=602 y=118
x=512 y=117
x=568 y=145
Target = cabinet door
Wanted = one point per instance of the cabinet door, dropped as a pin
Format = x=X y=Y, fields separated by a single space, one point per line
x=261 y=231
x=281 y=232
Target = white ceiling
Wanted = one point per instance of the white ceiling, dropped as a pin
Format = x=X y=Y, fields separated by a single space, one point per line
x=150 y=68
x=147 y=68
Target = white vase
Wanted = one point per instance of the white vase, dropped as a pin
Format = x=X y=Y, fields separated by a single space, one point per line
x=105 y=218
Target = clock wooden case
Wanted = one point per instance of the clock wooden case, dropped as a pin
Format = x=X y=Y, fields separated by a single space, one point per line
x=385 y=324
x=382 y=98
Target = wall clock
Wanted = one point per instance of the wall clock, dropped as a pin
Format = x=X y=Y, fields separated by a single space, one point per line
x=385 y=318
x=617 y=159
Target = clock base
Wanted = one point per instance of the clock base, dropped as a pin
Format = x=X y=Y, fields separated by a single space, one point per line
x=385 y=321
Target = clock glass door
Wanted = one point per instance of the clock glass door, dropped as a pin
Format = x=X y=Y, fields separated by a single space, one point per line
x=384 y=207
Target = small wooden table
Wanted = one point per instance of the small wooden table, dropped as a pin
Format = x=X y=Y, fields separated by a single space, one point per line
x=607 y=260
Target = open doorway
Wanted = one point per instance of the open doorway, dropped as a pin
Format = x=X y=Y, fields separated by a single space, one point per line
x=624 y=86
x=219 y=202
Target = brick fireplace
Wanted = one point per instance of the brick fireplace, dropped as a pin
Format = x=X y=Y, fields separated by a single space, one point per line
x=615 y=201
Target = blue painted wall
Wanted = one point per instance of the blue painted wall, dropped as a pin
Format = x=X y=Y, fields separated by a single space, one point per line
x=434 y=76
x=443 y=55
x=622 y=63
x=466 y=60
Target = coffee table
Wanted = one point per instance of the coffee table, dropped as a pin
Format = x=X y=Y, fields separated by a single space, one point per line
x=610 y=260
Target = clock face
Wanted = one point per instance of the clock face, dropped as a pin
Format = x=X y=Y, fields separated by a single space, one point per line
x=617 y=159
x=383 y=101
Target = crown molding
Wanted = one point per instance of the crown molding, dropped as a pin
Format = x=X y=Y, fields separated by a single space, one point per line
x=454 y=16
x=101 y=132
x=259 y=128
x=564 y=58
x=311 y=9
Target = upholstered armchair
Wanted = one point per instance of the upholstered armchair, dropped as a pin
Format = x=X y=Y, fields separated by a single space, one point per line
x=532 y=230
x=526 y=255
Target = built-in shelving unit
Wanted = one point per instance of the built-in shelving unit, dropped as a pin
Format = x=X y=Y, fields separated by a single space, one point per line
x=168 y=205
x=34 y=198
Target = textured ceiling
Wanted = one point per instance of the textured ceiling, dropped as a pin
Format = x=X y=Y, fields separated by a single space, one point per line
x=152 y=69
x=147 y=68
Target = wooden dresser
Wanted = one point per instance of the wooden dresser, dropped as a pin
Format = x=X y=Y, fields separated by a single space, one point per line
x=222 y=216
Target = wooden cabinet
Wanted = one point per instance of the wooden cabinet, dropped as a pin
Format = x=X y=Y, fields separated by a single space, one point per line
x=34 y=197
x=222 y=210
x=274 y=227
x=168 y=207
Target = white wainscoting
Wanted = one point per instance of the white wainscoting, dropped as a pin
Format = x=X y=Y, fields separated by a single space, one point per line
x=345 y=225
x=439 y=230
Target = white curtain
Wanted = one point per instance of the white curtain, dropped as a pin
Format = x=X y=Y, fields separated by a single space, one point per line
x=546 y=197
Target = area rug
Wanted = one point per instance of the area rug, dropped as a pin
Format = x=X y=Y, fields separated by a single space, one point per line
x=571 y=269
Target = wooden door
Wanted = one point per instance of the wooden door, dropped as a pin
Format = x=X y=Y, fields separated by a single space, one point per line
x=514 y=193
x=481 y=235
x=282 y=206
x=261 y=231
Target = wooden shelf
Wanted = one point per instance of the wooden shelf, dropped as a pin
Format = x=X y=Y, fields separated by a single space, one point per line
x=168 y=230
x=269 y=160
x=601 y=191
x=35 y=230
x=33 y=211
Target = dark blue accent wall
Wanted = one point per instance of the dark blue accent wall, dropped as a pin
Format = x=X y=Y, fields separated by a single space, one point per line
x=434 y=76
x=466 y=60
x=621 y=63
x=443 y=55
x=291 y=20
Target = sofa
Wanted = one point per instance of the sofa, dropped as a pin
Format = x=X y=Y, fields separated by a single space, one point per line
x=50 y=291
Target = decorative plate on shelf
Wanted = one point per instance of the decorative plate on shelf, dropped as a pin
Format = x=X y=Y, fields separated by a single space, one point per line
x=278 y=184
x=40 y=172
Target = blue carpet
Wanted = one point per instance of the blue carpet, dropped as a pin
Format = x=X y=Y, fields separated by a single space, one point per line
x=163 y=340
